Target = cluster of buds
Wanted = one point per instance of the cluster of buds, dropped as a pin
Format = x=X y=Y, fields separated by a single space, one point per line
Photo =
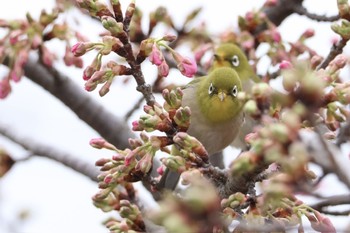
x=278 y=204
x=25 y=35
x=187 y=154
x=343 y=29
x=94 y=73
x=198 y=210
x=303 y=84
x=233 y=204
x=259 y=101
x=132 y=219
x=151 y=48
x=170 y=118
x=251 y=21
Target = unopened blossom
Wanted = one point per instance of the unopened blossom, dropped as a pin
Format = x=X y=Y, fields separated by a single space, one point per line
x=186 y=66
x=285 y=65
x=156 y=56
x=163 y=69
x=81 y=48
x=5 y=88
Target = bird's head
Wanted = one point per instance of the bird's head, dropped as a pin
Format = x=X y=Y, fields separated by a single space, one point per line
x=217 y=95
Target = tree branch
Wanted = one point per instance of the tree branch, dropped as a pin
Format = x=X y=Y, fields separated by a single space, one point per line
x=332 y=201
x=109 y=126
x=335 y=50
x=320 y=18
x=326 y=155
x=39 y=149
x=344 y=133
x=278 y=13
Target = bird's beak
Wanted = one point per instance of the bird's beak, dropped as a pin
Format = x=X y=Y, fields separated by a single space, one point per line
x=222 y=95
x=216 y=57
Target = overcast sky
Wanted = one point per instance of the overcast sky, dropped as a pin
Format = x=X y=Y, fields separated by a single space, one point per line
x=48 y=190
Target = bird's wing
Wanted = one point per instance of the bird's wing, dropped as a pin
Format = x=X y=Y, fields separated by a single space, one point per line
x=194 y=82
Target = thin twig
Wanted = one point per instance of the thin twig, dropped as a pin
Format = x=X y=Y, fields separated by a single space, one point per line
x=320 y=18
x=39 y=149
x=134 y=108
x=332 y=201
x=336 y=213
x=344 y=133
x=335 y=50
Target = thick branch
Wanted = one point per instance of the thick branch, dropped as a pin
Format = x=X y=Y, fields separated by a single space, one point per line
x=39 y=149
x=109 y=126
x=332 y=201
x=278 y=13
x=344 y=133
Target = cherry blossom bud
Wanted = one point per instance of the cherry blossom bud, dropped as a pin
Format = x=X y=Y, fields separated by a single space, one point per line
x=47 y=56
x=186 y=66
x=156 y=56
x=284 y=65
x=5 y=88
x=198 y=55
x=163 y=69
x=308 y=33
x=100 y=143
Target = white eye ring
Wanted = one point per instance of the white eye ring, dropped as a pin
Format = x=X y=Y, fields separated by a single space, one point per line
x=211 y=89
x=235 y=61
x=234 y=91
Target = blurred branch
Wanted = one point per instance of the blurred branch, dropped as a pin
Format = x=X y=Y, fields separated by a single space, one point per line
x=335 y=50
x=327 y=155
x=42 y=150
x=332 y=201
x=303 y=11
x=109 y=126
x=344 y=133
x=278 y=13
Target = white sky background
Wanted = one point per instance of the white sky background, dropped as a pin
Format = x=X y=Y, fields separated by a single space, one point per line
x=58 y=199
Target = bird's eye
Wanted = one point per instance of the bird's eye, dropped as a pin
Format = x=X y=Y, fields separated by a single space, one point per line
x=235 y=61
x=234 y=91
x=211 y=89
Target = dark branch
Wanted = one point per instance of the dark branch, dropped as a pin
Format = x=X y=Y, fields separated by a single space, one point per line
x=335 y=50
x=320 y=18
x=344 y=133
x=332 y=201
x=278 y=13
x=39 y=149
x=109 y=126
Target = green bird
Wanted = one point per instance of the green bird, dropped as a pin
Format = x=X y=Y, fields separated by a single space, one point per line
x=230 y=55
x=216 y=113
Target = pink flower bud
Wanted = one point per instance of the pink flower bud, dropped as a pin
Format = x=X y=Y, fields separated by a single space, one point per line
x=156 y=56
x=270 y=3
x=163 y=69
x=201 y=51
x=5 y=88
x=276 y=36
x=284 y=65
x=47 y=57
x=186 y=66
x=78 y=49
x=321 y=223
x=309 y=33
x=97 y=143
x=160 y=170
